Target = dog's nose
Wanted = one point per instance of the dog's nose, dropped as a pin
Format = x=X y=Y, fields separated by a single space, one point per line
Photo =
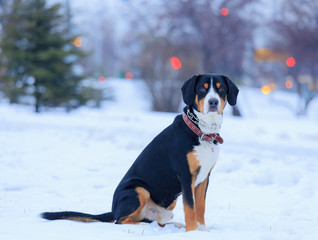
x=213 y=102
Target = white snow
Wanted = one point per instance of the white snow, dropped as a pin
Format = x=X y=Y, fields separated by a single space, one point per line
x=264 y=186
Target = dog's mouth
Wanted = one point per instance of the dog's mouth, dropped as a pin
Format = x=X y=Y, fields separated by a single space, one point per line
x=213 y=109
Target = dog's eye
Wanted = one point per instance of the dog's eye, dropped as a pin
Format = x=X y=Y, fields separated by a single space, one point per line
x=202 y=89
x=221 y=89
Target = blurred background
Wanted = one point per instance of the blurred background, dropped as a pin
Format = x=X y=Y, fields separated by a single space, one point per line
x=58 y=53
x=121 y=64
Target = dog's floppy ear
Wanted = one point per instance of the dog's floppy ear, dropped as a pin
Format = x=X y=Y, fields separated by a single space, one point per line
x=233 y=91
x=188 y=93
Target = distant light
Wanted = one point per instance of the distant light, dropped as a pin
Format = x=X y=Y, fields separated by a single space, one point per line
x=290 y=62
x=77 y=42
x=224 y=11
x=269 y=55
x=176 y=63
x=266 y=89
x=289 y=84
x=129 y=75
x=101 y=79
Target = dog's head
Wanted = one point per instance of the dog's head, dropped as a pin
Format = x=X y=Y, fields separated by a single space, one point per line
x=208 y=93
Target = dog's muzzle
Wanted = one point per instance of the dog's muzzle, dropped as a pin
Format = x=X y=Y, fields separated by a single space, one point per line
x=213 y=105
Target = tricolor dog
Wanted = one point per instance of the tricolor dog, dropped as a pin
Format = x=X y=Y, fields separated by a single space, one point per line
x=177 y=161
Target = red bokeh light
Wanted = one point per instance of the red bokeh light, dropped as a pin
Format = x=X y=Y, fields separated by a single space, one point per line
x=290 y=62
x=176 y=63
x=101 y=79
x=224 y=11
x=129 y=75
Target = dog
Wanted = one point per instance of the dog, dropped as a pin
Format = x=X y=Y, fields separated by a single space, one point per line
x=177 y=161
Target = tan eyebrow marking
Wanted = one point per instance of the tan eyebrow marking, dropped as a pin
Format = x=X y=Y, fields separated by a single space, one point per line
x=218 y=85
x=206 y=85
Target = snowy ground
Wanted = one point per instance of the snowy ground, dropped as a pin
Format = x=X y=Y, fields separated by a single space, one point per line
x=265 y=185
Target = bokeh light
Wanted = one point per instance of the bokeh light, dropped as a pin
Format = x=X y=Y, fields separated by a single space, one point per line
x=289 y=84
x=129 y=75
x=77 y=42
x=290 y=62
x=176 y=63
x=101 y=79
x=224 y=11
x=266 y=89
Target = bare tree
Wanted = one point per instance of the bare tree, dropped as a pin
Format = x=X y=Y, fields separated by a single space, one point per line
x=221 y=38
x=204 y=39
x=297 y=35
x=150 y=51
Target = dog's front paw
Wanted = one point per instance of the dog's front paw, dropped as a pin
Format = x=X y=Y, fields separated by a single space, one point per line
x=202 y=227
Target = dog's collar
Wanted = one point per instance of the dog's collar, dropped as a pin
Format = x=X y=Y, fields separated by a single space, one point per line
x=195 y=119
x=203 y=136
x=192 y=117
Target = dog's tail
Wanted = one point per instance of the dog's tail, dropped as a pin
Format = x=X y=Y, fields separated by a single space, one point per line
x=77 y=216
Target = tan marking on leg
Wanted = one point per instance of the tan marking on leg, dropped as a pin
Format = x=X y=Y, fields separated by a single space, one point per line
x=190 y=213
x=199 y=194
x=172 y=205
x=137 y=215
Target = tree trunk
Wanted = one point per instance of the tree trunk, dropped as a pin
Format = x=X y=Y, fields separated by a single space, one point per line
x=37 y=96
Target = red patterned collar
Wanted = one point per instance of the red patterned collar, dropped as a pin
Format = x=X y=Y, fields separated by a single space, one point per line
x=203 y=136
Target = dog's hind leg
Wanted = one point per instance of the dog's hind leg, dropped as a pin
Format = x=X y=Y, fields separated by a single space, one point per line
x=131 y=207
x=136 y=206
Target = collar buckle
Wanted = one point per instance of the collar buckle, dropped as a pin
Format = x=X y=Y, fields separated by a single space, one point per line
x=208 y=137
x=211 y=138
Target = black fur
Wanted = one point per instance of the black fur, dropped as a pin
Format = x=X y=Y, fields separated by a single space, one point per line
x=105 y=217
x=232 y=92
x=188 y=90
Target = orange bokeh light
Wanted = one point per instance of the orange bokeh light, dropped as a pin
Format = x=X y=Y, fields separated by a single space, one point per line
x=266 y=89
x=77 y=42
x=176 y=63
x=289 y=84
x=225 y=11
x=129 y=76
x=290 y=62
x=101 y=79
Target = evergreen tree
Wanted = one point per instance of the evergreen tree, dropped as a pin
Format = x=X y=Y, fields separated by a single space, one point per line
x=38 y=55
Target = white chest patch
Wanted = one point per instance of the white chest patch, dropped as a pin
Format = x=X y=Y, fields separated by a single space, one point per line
x=207 y=155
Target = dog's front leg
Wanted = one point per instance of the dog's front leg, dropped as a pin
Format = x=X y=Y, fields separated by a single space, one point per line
x=200 y=194
x=189 y=205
